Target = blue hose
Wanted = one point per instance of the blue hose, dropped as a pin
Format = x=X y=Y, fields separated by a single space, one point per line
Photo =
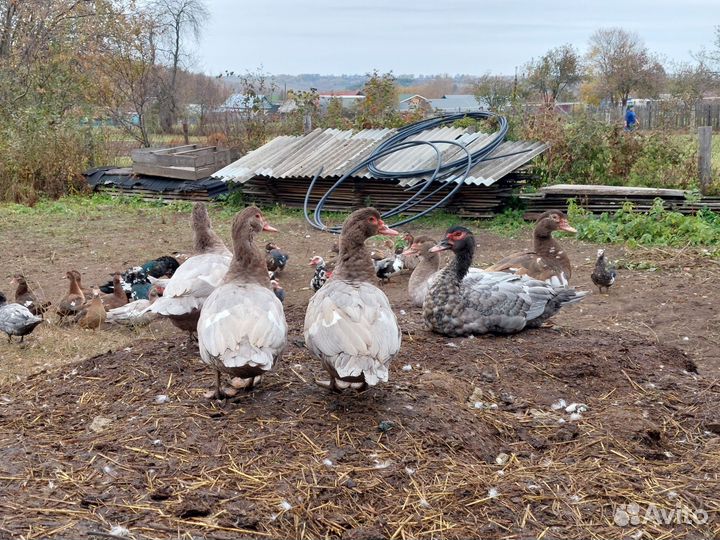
x=441 y=171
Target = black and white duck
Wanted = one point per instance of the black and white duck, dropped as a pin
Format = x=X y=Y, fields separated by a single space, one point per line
x=459 y=304
x=604 y=273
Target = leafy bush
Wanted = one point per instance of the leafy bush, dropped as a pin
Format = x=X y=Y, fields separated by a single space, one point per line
x=657 y=227
x=585 y=150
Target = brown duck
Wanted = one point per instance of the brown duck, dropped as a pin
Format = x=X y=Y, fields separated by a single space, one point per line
x=118 y=298
x=196 y=278
x=72 y=303
x=93 y=315
x=547 y=261
x=24 y=296
x=242 y=329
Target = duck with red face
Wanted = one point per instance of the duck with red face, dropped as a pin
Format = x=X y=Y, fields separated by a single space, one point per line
x=460 y=302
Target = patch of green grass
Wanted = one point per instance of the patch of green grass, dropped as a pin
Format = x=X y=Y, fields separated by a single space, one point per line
x=84 y=205
x=509 y=223
x=658 y=227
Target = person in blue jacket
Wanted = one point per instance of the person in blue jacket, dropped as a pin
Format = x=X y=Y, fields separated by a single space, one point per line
x=631 y=122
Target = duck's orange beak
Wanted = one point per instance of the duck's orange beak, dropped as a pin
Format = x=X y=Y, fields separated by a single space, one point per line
x=269 y=228
x=387 y=231
x=565 y=226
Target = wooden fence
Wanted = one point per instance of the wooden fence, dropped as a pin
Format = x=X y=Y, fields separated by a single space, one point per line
x=656 y=114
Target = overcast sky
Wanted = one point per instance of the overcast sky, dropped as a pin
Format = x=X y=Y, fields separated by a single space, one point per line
x=434 y=36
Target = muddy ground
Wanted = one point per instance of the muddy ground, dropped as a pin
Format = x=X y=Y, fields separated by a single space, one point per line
x=463 y=442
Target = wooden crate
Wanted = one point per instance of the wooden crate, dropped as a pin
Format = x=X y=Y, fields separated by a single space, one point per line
x=189 y=162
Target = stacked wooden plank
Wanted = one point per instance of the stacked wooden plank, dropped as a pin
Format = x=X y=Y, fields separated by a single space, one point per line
x=189 y=162
x=599 y=199
x=475 y=201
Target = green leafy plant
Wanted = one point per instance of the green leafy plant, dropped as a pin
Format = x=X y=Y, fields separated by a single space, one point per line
x=657 y=227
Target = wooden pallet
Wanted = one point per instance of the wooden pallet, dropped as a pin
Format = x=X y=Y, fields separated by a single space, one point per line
x=189 y=162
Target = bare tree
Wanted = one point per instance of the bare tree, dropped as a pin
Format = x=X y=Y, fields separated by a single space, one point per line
x=621 y=64
x=128 y=75
x=690 y=81
x=494 y=91
x=554 y=73
x=180 y=22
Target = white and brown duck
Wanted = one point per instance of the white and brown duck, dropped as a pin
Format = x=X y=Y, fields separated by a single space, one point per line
x=547 y=260
x=134 y=313
x=349 y=324
x=196 y=278
x=459 y=303
x=427 y=266
x=24 y=296
x=242 y=329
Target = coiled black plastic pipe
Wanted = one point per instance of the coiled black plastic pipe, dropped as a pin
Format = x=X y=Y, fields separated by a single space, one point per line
x=441 y=171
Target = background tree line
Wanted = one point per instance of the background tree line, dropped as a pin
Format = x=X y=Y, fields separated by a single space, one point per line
x=84 y=81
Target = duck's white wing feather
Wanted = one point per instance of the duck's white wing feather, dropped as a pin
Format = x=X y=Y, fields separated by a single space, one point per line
x=192 y=283
x=242 y=325
x=352 y=328
x=133 y=313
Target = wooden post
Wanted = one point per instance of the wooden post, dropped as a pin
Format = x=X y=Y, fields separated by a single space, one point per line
x=705 y=158
x=186 y=134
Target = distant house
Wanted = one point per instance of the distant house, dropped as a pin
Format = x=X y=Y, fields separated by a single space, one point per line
x=448 y=104
x=242 y=103
x=415 y=103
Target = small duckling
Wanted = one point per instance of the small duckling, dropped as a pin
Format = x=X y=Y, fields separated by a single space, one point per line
x=603 y=274
x=278 y=290
x=275 y=258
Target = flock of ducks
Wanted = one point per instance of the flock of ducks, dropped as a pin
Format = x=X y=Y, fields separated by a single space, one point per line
x=233 y=302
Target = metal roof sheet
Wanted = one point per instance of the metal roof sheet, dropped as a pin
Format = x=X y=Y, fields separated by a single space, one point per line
x=338 y=151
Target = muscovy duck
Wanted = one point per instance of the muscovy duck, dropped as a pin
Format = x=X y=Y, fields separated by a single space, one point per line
x=349 y=323
x=547 y=261
x=604 y=273
x=242 y=329
x=16 y=319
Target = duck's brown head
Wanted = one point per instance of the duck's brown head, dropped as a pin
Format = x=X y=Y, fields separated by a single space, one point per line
x=420 y=246
x=552 y=220
x=365 y=223
x=250 y=222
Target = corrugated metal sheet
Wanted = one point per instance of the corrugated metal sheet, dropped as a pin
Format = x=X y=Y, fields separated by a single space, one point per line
x=337 y=151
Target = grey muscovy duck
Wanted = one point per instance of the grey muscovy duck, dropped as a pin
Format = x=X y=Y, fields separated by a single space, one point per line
x=487 y=302
x=349 y=324
x=16 y=319
x=603 y=274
